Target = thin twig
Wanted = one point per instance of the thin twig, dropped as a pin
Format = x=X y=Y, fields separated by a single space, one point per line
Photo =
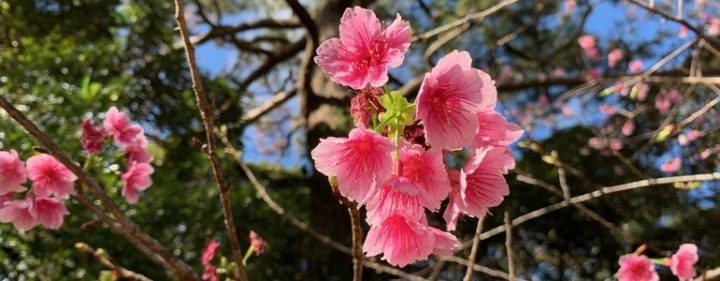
x=679 y=20
x=508 y=247
x=206 y=109
x=473 y=250
x=468 y=18
x=107 y=261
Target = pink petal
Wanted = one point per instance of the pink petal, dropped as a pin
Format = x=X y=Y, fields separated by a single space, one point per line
x=18 y=213
x=12 y=172
x=396 y=195
x=445 y=243
x=671 y=166
x=496 y=130
x=136 y=178
x=50 y=177
x=482 y=184
x=398 y=36
x=426 y=169
x=49 y=212
x=682 y=263
x=401 y=241
x=636 y=268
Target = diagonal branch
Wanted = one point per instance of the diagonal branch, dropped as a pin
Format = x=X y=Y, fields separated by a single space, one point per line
x=711 y=40
x=468 y=18
x=104 y=259
x=207 y=113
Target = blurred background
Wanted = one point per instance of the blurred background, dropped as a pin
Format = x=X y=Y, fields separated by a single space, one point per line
x=588 y=125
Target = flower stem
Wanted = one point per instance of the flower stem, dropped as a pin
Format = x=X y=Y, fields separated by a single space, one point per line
x=249 y=253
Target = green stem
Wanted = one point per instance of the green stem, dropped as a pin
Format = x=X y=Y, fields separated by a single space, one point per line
x=249 y=253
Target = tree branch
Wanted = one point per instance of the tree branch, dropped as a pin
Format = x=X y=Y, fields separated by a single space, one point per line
x=711 y=40
x=107 y=261
x=473 y=251
x=207 y=113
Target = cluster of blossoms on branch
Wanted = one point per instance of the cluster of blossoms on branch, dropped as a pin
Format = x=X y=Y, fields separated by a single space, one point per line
x=211 y=272
x=392 y=162
x=638 y=267
x=52 y=182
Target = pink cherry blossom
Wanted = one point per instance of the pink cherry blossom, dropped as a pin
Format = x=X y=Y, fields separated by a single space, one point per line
x=671 y=166
x=445 y=243
x=50 y=177
x=608 y=109
x=683 y=31
x=453 y=210
x=714 y=28
x=136 y=151
x=360 y=162
x=598 y=143
x=495 y=130
x=136 y=178
x=482 y=184
x=616 y=144
x=18 y=212
x=257 y=243
x=49 y=212
x=426 y=169
x=209 y=270
x=12 y=172
x=400 y=240
x=693 y=135
x=682 y=262
x=614 y=57
x=628 y=127
x=119 y=127
x=365 y=49
x=569 y=5
x=642 y=91
x=397 y=195
x=636 y=66
x=92 y=137
x=586 y=42
x=450 y=96
x=636 y=268
x=594 y=74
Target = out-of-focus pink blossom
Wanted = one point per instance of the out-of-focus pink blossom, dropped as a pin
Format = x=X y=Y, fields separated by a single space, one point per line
x=209 y=270
x=714 y=26
x=587 y=43
x=682 y=263
x=119 y=127
x=365 y=50
x=257 y=243
x=19 y=213
x=628 y=127
x=567 y=111
x=136 y=178
x=693 y=135
x=594 y=74
x=49 y=212
x=92 y=137
x=569 y=5
x=614 y=57
x=672 y=165
x=401 y=241
x=642 y=91
x=50 y=177
x=683 y=32
x=621 y=88
x=616 y=144
x=636 y=268
x=598 y=143
x=360 y=162
x=12 y=172
x=450 y=97
x=636 y=66
x=608 y=109
x=619 y=171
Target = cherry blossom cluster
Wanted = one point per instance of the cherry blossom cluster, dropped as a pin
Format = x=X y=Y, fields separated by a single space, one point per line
x=52 y=182
x=43 y=203
x=212 y=272
x=637 y=267
x=392 y=162
x=130 y=138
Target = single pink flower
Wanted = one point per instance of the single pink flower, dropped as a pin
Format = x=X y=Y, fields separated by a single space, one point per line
x=450 y=97
x=426 y=169
x=210 y=273
x=482 y=184
x=19 y=213
x=136 y=178
x=49 y=212
x=136 y=151
x=614 y=57
x=92 y=137
x=672 y=165
x=569 y=5
x=257 y=243
x=642 y=91
x=50 y=177
x=594 y=74
x=636 y=268
x=119 y=127
x=693 y=135
x=608 y=109
x=209 y=252
x=598 y=143
x=364 y=105
x=586 y=42
x=360 y=162
x=365 y=49
x=714 y=28
x=628 y=127
x=397 y=195
x=683 y=31
x=682 y=263
x=495 y=130
x=616 y=144
x=636 y=66
x=453 y=210
x=445 y=242
x=12 y=172
x=400 y=240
